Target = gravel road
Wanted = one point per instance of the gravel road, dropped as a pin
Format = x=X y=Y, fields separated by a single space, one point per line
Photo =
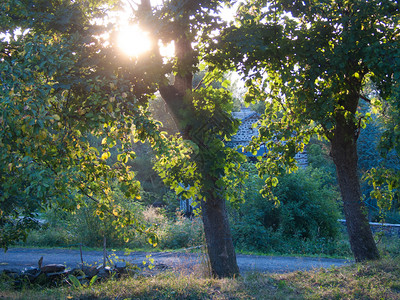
x=19 y=258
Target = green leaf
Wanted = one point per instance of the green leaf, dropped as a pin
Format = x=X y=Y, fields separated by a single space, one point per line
x=75 y=282
x=105 y=155
x=93 y=280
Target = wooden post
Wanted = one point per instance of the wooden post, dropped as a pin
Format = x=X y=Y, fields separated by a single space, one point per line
x=80 y=248
x=104 y=251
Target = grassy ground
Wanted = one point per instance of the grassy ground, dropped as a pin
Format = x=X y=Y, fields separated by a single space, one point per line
x=373 y=280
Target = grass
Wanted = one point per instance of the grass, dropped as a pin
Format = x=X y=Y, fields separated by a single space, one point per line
x=372 y=280
x=259 y=253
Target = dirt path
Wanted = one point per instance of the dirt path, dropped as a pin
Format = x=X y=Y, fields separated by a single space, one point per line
x=19 y=258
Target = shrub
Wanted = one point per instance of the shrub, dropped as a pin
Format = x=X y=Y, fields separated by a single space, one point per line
x=249 y=233
x=305 y=220
x=50 y=236
x=309 y=207
x=175 y=233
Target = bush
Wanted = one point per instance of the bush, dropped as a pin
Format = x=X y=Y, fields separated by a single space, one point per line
x=175 y=233
x=249 y=233
x=50 y=236
x=309 y=207
x=304 y=222
x=86 y=228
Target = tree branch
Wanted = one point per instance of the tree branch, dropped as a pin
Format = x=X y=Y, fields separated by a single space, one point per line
x=201 y=81
x=131 y=5
x=365 y=98
x=358 y=130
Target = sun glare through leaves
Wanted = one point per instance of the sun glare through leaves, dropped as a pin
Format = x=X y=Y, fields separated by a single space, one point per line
x=133 y=41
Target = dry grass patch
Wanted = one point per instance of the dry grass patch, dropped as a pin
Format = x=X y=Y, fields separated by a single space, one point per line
x=167 y=285
x=373 y=280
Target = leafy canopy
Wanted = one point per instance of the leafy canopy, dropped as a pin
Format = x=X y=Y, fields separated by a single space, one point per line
x=309 y=61
x=60 y=86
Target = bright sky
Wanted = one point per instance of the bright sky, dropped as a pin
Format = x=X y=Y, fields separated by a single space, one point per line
x=134 y=42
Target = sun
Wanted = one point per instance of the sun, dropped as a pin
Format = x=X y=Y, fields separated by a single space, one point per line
x=133 y=41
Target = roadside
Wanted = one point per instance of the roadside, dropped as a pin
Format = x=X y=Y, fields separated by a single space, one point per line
x=20 y=258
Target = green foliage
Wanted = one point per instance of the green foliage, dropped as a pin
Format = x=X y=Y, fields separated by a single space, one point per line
x=164 y=229
x=171 y=233
x=181 y=233
x=88 y=227
x=304 y=222
x=171 y=202
x=63 y=89
x=199 y=157
x=382 y=173
x=318 y=156
x=309 y=63
x=75 y=282
x=311 y=69
x=59 y=87
x=309 y=205
x=52 y=236
x=379 y=171
x=389 y=245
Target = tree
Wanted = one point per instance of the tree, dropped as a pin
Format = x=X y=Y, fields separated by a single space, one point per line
x=309 y=62
x=60 y=85
x=203 y=117
x=81 y=86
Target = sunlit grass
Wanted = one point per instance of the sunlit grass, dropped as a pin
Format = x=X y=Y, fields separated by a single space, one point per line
x=372 y=280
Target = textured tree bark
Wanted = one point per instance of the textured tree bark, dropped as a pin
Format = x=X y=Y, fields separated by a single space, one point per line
x=218 y=236
x=344 y=153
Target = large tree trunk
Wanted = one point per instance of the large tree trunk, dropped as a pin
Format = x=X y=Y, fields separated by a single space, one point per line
x=218 y=236
x=344 y=153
